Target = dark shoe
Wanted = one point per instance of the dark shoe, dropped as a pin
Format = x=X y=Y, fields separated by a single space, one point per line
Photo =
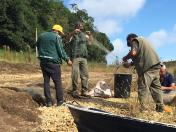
x=60 y=103
x=49 y=104
x=75 y=95
x=85 y=94
x=159 y=108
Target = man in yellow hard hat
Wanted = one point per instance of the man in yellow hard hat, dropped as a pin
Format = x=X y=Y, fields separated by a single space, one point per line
x=50 y=54
x=58 y=28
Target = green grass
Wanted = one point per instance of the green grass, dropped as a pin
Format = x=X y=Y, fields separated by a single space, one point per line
x=28 y=57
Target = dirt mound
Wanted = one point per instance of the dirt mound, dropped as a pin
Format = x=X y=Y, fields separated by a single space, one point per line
x=18 y=68
x=18 y=111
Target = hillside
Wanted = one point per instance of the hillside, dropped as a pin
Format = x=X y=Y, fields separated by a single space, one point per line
x=20 y=18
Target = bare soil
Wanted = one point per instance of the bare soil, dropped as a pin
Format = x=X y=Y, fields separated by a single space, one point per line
x=19 y=111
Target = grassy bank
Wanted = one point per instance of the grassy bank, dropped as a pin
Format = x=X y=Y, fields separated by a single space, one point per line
x=8 y=55
x=29 y=57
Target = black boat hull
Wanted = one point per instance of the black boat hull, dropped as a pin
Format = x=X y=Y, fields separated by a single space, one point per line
x=94 y=120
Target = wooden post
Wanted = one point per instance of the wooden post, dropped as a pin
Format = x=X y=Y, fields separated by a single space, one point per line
x=36 y=51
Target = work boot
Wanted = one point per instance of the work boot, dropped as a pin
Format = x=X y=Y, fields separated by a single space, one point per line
x=60 y=103
x=85 y=94
x=159 y=108
x=49 y=104
x=75 y=94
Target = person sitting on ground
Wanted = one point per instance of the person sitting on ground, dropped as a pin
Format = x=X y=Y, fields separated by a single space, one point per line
x=167 y=85
x=166 y=79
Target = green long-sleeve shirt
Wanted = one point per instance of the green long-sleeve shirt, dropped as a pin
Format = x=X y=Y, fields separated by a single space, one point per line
x=50 y=48
x=79 y=45
x=146 y=57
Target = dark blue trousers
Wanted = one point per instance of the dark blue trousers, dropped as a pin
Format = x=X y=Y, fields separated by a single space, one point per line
x=52 y=71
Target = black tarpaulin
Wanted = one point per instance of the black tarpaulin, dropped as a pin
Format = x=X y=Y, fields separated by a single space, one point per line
x=95 y=120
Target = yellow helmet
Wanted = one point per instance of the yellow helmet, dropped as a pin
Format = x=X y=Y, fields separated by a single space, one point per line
x=58 y=28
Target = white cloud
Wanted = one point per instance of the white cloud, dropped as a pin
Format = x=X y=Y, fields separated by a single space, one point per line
x=111 y=12
x=163 y=37
x=111 y=8
x=120 y=50
x=109 y=26
x=158 y=38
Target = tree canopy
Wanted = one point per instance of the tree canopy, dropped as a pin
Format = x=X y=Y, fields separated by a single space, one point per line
x=20 y=18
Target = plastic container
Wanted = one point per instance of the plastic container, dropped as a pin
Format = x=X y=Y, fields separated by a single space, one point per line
x=122 y=85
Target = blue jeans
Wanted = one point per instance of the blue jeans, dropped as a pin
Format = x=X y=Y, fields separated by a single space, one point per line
x=52 y=71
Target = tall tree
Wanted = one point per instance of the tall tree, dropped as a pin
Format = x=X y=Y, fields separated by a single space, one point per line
x=19 y=18
x=16 y=30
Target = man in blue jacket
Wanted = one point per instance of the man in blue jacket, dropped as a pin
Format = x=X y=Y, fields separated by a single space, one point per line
x=50 y=53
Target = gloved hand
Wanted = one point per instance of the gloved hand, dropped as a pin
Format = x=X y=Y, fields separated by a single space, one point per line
x=126 y=64
x=124 y=59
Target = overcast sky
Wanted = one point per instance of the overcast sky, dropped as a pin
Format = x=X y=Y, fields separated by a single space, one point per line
x=152 y=19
